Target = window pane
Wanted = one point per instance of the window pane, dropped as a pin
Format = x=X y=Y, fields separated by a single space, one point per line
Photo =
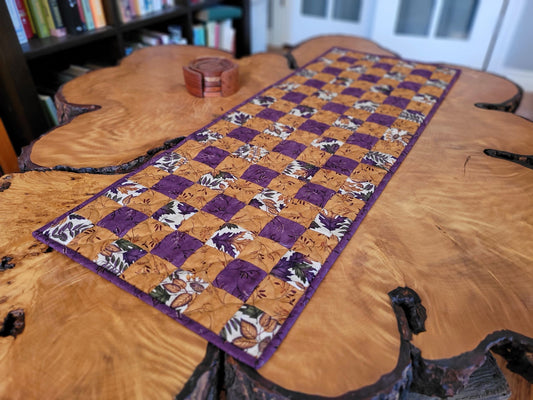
x=349 y=10
x=456 y=18
x=414 y=17
x=315 y=8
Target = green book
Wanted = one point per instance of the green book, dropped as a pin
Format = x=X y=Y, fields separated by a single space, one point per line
x=87 y=13
x=38 y=18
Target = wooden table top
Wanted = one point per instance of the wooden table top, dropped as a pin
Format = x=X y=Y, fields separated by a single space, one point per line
x=462 y=243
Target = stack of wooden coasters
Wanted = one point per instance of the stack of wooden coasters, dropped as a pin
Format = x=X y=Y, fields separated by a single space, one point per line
x=211 y=77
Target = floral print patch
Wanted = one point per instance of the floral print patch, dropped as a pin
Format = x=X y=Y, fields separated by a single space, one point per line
x=270 y=201
x=174 y=213
x=412 y=115
x=124 y=192
x=250 y=329
x=336 y=225
x=279 y=130
x=366 y=105
x=296 y=269
x=170 y=162
x=362 y=190
x=251 y=153
x=179 y=289
x=303 y=111
x=237 y=117
x=117 y=256
x=347 y=122
x=327 y=144
x=218 y=181
x=381 y=160
x=264 y=101
x=230 y=239
x=300 y=170
x=397 y=136
x=207 y=136
x=68 y=229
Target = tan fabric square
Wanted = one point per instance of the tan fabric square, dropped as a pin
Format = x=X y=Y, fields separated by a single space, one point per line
x=259 y=124
x=303 y=137
x=375 y=71
x=89 y=242
x=98 y=208
x=368 y=173
x=193 y=170
x=352 y=151
x=223 y=127
x=250 y=108
x=229 y=144
x=405 y=125
x=330 y=87
x=213 y=308
x=315 y=245
x=432 y=90
x=292 y=120
x=346 y=99
x=350 y=75
x=389 y=82
x=300 y=211
x=252 y=219
x=365 y=85
x=345 y=205
x=308 y=90
x=235 y=165
x=402 y=70
x=191 y=148
x=266 y=141
x=389 y=110
x=392 y=148
x=340 y=64
x=147 y=272
x=328 y=178
x=357 y=113
x=416 y=79
x=313 y=155
x=148 y=233
x=427 y=67
x=201 y=225
x=263 y=253
x=401 y=92
x=243 y=190
x=315 y=102
x=442 y=76
x=316 y=66
x=375 y=97
x=321 y=76
x=373 y=129
x=206 y=263
x=326 y=117
x=337 y=133
x=148 y=202
x=286 y=184
x=275 y=161
x=424 y=108
x=274 y=92
x=296 y=79
x=276 y=297
x=283 y=105
x=197 y=195
x=149 y=176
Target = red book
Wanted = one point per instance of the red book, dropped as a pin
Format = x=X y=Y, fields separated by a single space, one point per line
x=24 y=18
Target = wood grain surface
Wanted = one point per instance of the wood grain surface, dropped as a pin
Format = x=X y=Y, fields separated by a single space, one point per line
x=453 y=224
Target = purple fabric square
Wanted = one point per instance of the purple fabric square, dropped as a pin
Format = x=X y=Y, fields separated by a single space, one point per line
x=211 y=156
x=396 y=101
x=270 y=114
x=410 y=86
x=315 y=83
x=384 y=66
x=362 y=140
x=335 y=107
x=177 y=247
x=347 y=59
x=290 y=148
x=422 y=72
x=295 y=97
x=283 y=231
x=172 y=185
x=122 y=220
x=357 y=92
x=314 y=127
x=245 y=134
x=340 y=164
x=223 y=207
x=332 y=70
x=369 y=78
x=259 y=175
x=239 y=278
x=382 y=119
x=316 y=194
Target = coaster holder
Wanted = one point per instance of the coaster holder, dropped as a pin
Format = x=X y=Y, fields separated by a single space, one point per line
x=211 y=77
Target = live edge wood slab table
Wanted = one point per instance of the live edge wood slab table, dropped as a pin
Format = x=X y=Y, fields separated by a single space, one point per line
x=446 y=249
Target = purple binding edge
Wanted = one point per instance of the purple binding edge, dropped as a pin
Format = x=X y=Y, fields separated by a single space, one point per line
x=207 y=334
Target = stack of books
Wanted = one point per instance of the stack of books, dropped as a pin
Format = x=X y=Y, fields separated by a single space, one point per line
x=216 y=27
x=44 y=18
x=130 y=9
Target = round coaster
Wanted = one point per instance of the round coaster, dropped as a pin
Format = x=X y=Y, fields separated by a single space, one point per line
x=211 y=77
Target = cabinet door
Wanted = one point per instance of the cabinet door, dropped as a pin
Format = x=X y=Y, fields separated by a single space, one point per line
x=293 y=21
x=453 y=31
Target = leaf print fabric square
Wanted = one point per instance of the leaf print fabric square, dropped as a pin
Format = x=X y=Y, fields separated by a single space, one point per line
x=230 y=231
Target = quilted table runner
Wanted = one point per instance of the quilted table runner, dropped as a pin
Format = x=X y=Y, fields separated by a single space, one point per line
x=231 y=231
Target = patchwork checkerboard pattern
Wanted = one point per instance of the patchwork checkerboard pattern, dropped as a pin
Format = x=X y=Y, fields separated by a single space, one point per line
x=231 y=231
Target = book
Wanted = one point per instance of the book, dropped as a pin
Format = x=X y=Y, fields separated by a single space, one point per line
x=56 y=16
x=163 y=38
x=39 y=22
x=211 y=36
x=24 y=18
x=71 y=17
x=27 y=7
x=97 y=10
x=198 y=35
x=227 y=36
x=49 y=108
x=17 y=23
x=219 y=13
x=86 y=10
x=47 y=13
x=126 y=12
x=176 y=36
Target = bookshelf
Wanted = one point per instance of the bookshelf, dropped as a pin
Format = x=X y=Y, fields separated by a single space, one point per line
x=25 y=69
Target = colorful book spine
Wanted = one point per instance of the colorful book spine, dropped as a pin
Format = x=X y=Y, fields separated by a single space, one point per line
x=126 y=12
x=54 y=30
x=24 y=18
x=86 y=9
x=17 y=23
x=27 y=7
x=56 y=16
x=97 y=10
x=38 y=19
x=71 y=16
